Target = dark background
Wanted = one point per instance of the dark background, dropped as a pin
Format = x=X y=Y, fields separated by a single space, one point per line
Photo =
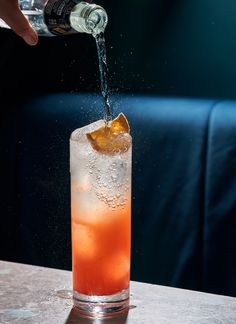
x=165 y=47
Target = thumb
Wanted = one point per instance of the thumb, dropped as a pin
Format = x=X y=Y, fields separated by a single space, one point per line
x=20 y=25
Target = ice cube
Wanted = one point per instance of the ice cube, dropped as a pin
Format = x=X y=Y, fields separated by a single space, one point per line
x=80 y=133
x=84 y=241
x=87 y=208
x=117 y=268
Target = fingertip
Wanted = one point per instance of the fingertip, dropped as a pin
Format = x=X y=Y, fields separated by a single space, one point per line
x=21 y=26
x=31 y=38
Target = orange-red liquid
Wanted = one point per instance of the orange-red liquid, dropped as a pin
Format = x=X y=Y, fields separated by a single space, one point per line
x=101 y=251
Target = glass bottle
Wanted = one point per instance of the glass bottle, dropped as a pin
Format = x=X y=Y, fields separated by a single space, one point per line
x=62 y=17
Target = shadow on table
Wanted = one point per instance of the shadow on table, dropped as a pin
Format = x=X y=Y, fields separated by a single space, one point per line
x=75 y=318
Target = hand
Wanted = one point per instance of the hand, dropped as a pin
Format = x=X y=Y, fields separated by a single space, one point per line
x=12 y=15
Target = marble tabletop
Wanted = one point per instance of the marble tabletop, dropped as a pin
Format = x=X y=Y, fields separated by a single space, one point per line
x=31 y=294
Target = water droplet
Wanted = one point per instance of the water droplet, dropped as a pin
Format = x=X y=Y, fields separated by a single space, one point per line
x=66 y=294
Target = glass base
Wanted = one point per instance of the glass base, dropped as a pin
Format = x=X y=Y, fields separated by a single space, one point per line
x=101 y=306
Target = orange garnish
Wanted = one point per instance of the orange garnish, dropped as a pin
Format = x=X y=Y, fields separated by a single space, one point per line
x=120 y=124
x=113 y=138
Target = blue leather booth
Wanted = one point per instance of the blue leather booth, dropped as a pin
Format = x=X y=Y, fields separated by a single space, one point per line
x=184 y=185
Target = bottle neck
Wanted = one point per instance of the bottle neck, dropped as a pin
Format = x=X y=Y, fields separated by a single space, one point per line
x=88 y=18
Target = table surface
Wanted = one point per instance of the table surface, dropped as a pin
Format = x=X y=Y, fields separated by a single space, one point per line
x=31 y=294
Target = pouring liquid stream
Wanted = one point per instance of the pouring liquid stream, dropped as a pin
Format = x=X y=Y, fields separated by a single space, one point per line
x=103 y=68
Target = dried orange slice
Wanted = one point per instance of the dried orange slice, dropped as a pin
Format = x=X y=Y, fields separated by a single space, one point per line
x=120 y=124
x=113 y=138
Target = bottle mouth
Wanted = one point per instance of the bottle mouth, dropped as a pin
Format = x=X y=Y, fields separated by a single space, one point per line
x=96 y=20
x=88 y=18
